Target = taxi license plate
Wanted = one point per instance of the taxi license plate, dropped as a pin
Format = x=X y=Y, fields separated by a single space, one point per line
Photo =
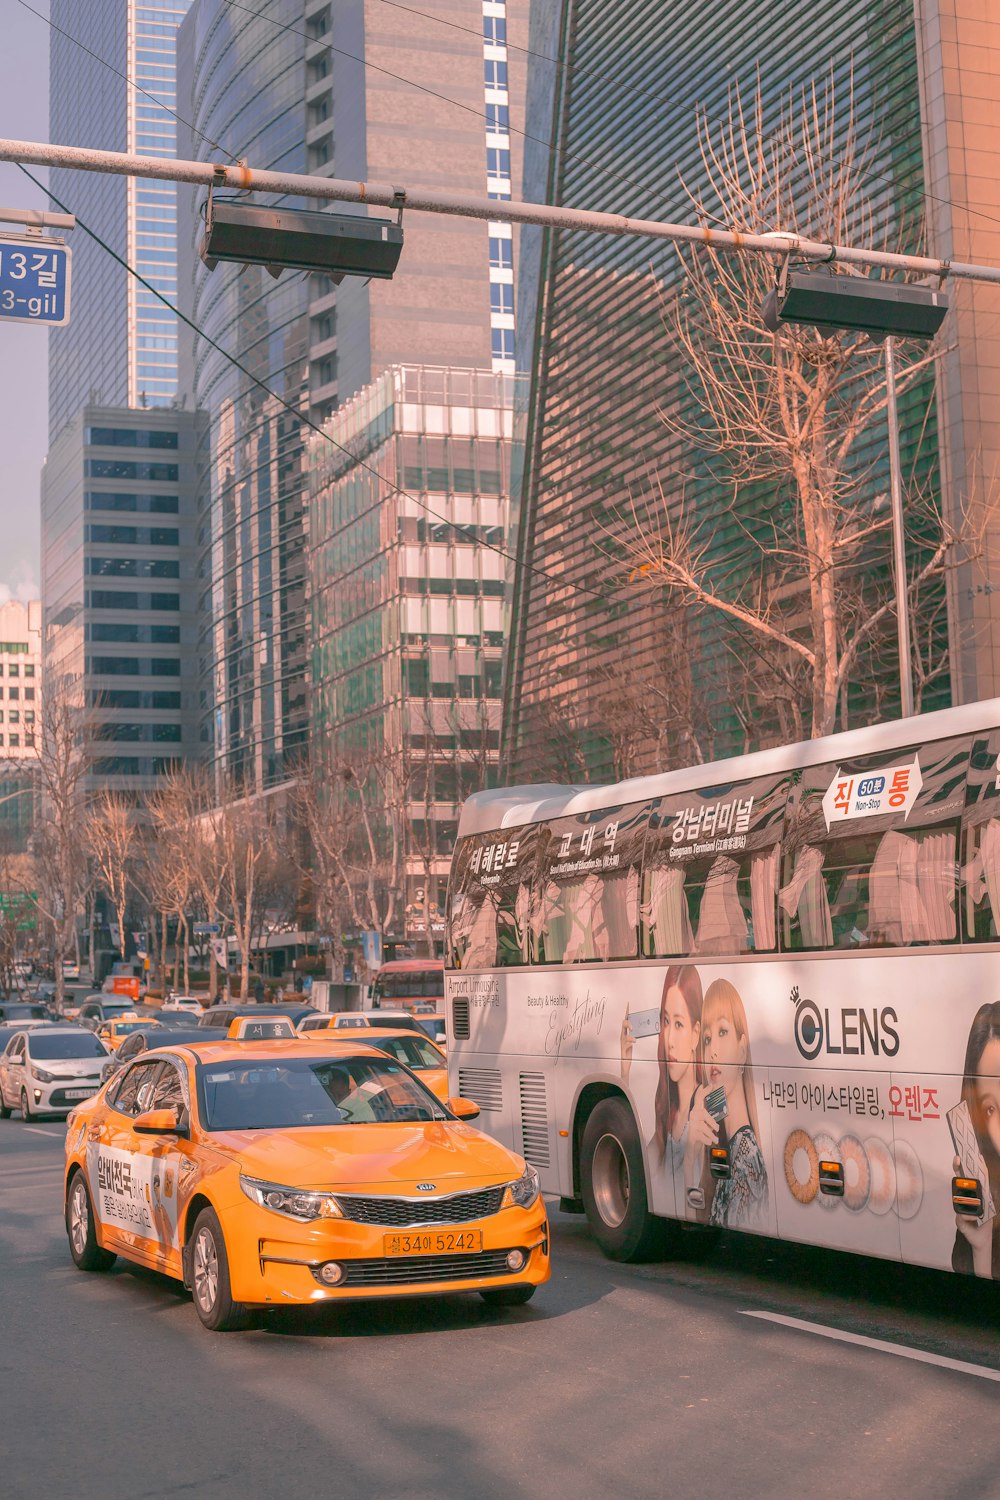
x=80 y=1093
x=436 y=1242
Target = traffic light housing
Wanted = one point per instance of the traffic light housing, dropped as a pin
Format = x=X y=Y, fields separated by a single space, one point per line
x=287 y=239
x=878 y=308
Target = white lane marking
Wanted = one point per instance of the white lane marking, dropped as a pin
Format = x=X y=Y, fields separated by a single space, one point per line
x=881 y=1345
x=52 y=1134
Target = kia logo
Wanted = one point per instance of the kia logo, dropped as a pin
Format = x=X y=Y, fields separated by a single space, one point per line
x=426 y=1187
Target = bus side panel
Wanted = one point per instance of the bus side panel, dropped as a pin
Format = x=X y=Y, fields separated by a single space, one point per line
x=855 y=1057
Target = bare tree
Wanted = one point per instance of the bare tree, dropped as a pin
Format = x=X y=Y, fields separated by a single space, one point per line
x=114 y=840
x=788 y=422
x=64 y=737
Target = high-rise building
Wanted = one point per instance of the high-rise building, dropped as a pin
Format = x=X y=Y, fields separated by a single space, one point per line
x=118 y=520
x=354 y=90
x=20 y=717
x=409 y=506
x=118 y=486
x=120 y=347
x=628 y=124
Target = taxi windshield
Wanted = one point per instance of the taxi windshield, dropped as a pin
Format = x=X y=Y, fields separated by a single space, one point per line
x=410 y=1050
x=121 y=1027
x=289 y=1093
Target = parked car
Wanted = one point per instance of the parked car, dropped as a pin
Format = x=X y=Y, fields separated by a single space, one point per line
x=220 y=1016
x=189 y=1003
x=143 y=1039
x=24 y=1010
x=97 y=1009
x=49 y=1070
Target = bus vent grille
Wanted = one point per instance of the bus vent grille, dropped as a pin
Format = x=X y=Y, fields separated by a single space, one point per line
x=483 y=1086
x=534 y=1120
x=460 y=1020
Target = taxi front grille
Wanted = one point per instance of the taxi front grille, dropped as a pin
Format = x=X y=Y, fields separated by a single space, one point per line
x=401 y=1213
x=408 y=1270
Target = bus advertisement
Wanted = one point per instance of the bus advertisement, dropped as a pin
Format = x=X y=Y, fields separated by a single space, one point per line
x=756 y=995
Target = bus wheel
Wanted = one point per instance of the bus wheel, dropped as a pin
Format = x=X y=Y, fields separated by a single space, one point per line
x=613 y=1182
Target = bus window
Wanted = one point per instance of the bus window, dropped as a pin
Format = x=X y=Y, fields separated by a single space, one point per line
x=588 y=885
x=491 y=904
x=710 y=870
x=981 y=854
x=855 y=875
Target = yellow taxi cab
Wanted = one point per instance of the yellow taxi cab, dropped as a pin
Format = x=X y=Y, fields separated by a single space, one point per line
x=418 y=1053
x=113 y=1033
x=268 y=1173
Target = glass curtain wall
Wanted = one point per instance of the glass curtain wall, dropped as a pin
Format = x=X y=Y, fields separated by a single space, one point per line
x=627 y=113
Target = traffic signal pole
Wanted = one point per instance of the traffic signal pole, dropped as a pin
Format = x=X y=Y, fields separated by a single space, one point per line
x=243 y=178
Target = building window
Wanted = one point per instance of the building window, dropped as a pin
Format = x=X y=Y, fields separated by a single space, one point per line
x=29 y=669
x=123 y=468
x=503 y=343
x=501 y=297
x=497 y=161
x=117 y=437
x=501 y=254
x=495 y=31
x=498 y=117
x=495 y=73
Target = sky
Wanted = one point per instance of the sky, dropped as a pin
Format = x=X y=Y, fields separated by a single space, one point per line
x=24 y=115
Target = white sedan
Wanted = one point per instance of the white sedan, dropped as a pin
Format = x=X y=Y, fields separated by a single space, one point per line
x=50 y=1070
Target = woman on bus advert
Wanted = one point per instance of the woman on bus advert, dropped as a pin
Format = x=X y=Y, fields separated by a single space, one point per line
x=975 y=1133
x=724 y=1113
x=678 y=1070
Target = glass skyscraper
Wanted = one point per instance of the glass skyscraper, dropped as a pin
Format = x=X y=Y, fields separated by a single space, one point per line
x=289 y=89
x=120 y=348
x=625 y=91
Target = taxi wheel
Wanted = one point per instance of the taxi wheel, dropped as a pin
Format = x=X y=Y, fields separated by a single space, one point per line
x=26 y=1113
x=210 y=1277
x=508 y=1296
x=83 y=1246
x=613 y=1186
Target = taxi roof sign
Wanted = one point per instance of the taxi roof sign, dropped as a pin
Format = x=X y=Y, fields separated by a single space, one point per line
x=258 y=1029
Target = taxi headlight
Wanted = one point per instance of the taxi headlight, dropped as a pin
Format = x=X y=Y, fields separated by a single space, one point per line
x=524 y=1191
x=41 y=1074
x=294 y=1203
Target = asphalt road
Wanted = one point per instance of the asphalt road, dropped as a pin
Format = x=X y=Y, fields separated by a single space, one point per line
x=644 y=1381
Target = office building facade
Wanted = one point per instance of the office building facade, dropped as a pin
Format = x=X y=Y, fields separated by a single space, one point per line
x=628 y=128
x=346 y=90
x=20 y=718
x=118 y=587
x=409 y=508
x=120 y=347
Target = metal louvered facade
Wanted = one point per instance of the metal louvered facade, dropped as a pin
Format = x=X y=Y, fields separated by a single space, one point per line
x=623 y=115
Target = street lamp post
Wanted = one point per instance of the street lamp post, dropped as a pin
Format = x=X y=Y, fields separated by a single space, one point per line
x=880 y=309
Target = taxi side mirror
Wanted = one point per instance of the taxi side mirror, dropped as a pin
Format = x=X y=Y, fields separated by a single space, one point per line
x=464 y=1109
x=157 y=1122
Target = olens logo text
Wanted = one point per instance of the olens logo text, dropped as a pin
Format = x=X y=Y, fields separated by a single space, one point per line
x=854 y=1031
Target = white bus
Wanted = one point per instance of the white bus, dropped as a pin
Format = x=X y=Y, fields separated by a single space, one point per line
x=762 y=994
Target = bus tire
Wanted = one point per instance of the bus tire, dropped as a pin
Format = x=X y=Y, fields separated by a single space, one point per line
x=613 y=1186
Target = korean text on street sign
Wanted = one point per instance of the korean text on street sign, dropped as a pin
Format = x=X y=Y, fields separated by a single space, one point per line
x=889 y=789
x=34 y=281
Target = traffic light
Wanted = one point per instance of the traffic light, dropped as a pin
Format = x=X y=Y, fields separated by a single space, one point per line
x=296 y=239
x=878 y=308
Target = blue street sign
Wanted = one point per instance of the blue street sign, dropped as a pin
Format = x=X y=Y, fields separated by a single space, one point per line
x=206 y=929
x=34 y=281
